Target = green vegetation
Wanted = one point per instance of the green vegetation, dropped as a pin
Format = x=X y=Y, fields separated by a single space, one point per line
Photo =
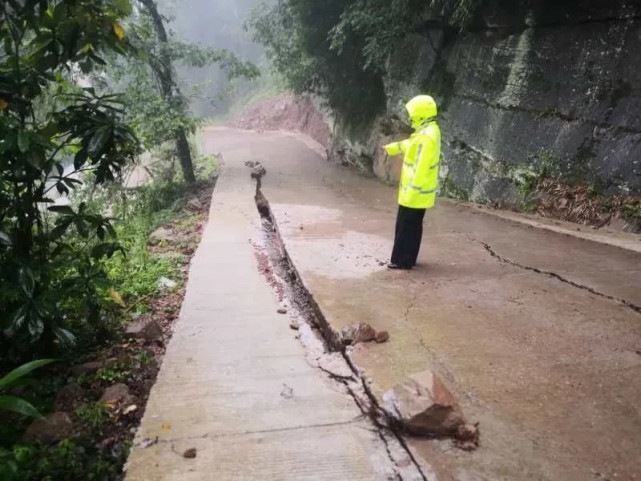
x=339 y=49
x=632 y=214
x=141 y=211
x=543 y=192
x=60 y=261
x=52 y=132
x=159 y=111
x=297 y=38
x=94 y=415
x=66 y=460
x=451 y=190
x=85 y=88
x=109 y=375
x=15 y=403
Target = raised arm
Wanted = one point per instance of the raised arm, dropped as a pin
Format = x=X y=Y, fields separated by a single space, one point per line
x=397 y=148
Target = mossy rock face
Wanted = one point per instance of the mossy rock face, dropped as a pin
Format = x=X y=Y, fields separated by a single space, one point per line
x=442 y=86
x=538 y=90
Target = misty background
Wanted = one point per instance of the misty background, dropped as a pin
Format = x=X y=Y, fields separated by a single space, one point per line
x=218 y=24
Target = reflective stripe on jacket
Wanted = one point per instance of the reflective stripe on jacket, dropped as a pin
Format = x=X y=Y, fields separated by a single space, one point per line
x=419 y=176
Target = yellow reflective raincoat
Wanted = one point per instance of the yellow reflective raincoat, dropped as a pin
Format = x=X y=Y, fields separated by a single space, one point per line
x=419 y=176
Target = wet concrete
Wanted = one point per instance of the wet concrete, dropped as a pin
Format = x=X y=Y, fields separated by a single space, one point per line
x=537 y=332
x=235 y=384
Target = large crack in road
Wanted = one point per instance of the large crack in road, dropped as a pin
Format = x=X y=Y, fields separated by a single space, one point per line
x=560 y=278
x=324 y=345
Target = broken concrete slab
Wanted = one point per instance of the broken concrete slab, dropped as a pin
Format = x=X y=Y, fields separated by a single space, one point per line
x=423 y=406
x=510 y=339
x=233 y=356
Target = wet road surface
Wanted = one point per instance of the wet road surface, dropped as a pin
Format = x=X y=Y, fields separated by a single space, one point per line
x=235 y=384
x=537 y=333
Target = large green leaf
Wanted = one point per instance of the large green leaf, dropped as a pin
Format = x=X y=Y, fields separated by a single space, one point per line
x=23 y=141
x=64 y=337
x=60 y=229
x=61 y=209
x=99 y=142
x=18 y=405
x=124 y=6
x=17 y=320
x=59 y=13
x=22 y=371
x=26 y=280
x=106 y=249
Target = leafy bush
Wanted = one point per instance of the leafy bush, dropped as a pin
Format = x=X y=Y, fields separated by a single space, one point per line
x=66 y=460
x=107 y=375
x=51 y=133
x=296 y=37
x=207 y=166
x=159 y=110
x=340 y=49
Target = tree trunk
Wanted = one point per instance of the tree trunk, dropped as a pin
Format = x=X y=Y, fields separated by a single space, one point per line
x=184 y=154
x=169 y=90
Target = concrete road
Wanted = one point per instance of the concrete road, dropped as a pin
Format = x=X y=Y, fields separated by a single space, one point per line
x=235 y=384
x=537 y=332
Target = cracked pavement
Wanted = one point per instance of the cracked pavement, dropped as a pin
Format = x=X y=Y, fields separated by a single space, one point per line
x=540 y=343
x=548 y=362
x=235 y=384
x=636 y=308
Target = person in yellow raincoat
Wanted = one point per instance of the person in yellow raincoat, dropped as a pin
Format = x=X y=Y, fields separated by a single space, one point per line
x=419 y=179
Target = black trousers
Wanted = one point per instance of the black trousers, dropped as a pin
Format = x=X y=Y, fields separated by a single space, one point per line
x=407 y=241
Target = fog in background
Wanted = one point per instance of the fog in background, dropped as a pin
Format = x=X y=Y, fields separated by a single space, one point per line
x=217 y=24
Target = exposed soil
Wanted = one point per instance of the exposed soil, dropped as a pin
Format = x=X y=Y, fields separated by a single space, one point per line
x=289 y=113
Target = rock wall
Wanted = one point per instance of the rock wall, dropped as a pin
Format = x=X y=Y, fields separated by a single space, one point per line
x=548 y=90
